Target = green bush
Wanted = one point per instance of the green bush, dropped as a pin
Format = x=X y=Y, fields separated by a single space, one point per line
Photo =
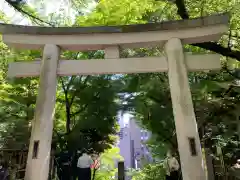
x=150 y=172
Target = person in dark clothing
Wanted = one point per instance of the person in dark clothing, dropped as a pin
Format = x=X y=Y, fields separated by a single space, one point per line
x=64 y=165
x=74 y=165
x=174 y=175
x=84 y=174
x=4 y=174
x=83 y=164
x=172 y=167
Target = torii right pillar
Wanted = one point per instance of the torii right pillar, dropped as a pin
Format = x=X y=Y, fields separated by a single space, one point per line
x=189 y=146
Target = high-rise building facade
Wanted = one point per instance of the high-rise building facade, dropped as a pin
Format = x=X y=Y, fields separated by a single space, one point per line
x=132 y=140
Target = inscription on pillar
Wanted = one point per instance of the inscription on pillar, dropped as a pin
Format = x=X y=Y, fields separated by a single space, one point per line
x=35 y=149
x=192 y=145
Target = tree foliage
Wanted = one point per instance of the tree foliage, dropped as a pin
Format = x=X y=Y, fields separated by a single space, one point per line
x=86 y=105
x=149 y=172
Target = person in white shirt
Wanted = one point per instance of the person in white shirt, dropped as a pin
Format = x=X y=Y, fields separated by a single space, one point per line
x=172 y=167
x=83 y=164
x=237 y=165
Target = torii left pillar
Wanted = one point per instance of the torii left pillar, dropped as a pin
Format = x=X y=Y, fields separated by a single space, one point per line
x=42 y=125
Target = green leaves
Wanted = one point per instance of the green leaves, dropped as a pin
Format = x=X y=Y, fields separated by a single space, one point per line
x=107 y=160
x=118 y=13
x=150 y=172
x=87 y=106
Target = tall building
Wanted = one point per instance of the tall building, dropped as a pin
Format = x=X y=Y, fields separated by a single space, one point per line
x=132 y=140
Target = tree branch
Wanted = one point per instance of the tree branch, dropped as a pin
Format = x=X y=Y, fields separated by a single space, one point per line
x=83 y=108
x=212 y=46
x=67 y=106
x=182 y=10
x=76 y=91
x=17 y=6
x=79 y=111
x=217 y=48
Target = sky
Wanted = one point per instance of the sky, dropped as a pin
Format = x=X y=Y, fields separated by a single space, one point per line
x=45 y=7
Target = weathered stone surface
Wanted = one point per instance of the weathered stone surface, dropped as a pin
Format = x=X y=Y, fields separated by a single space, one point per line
x=169 y=25
x=185 y=121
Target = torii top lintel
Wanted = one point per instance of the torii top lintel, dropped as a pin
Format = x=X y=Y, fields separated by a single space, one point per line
x=202 y=29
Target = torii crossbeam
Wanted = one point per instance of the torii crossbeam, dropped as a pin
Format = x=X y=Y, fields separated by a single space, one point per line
x=172 y=35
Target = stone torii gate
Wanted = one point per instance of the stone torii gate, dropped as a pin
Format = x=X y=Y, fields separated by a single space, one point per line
x=171 y=35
